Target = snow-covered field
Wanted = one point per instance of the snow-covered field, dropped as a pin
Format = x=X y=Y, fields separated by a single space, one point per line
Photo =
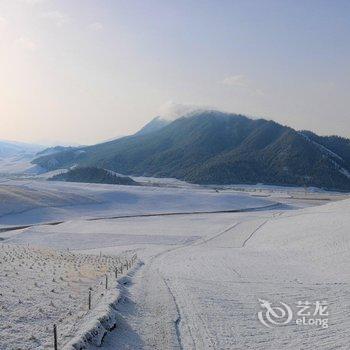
x=203 y=273
x=41 y=287
x=35 y=201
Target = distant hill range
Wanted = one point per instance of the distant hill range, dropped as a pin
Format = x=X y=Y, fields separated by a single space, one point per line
x=94 y=175
x=18 y=149
x=211 y=147
x=16 y=157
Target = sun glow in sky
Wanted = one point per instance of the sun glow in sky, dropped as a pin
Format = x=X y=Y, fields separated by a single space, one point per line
x=82 y=71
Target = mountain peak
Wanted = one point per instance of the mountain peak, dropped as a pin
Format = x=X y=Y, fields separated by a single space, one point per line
x=155 y=124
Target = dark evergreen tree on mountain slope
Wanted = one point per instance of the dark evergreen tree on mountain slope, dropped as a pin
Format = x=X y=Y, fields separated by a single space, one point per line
x=218 y=148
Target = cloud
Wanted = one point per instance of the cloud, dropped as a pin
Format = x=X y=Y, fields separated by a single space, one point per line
x=241 y=81
x=171 y=110
x=26 y=43
x=96 y=26
x=57 y=17
x=235 y=80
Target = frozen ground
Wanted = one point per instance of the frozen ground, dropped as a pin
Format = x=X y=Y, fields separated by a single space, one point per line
x=203 y=274
x=41 y=287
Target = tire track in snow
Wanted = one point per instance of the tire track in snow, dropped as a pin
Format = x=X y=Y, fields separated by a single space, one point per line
x=177 y=307
x=252 y=234
x=151 y=268
x=178 y=320
x=216 y=236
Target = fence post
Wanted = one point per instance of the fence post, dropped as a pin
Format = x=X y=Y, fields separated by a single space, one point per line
x=89 y=299
x=106 y=281
x=116 y=272
x=55 y=337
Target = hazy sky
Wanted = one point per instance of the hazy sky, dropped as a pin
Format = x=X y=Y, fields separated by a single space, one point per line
x=83 y=71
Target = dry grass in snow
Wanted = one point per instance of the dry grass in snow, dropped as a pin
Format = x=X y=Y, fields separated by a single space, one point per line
x=41 y=287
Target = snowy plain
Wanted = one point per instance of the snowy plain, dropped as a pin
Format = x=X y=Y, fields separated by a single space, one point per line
x=203 y=273
x=33 y=201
